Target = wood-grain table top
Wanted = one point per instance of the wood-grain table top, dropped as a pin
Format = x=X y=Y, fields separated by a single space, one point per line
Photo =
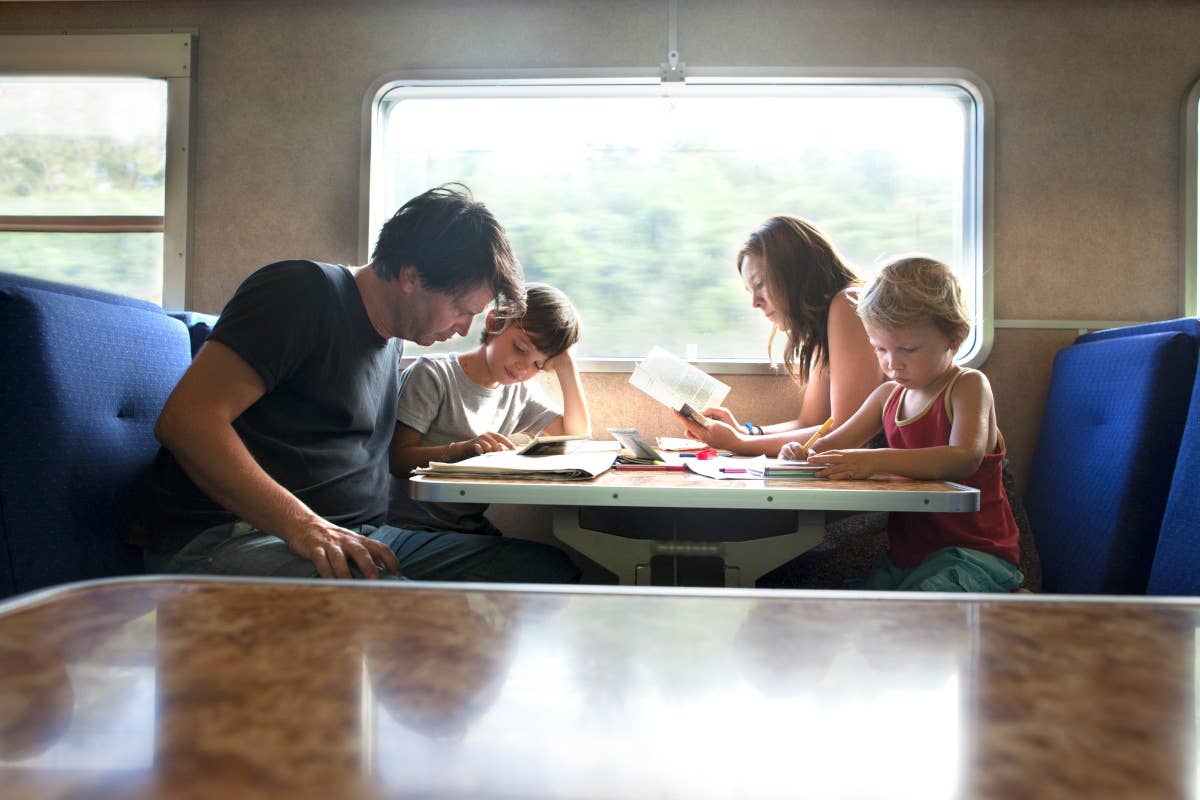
x=173 y=687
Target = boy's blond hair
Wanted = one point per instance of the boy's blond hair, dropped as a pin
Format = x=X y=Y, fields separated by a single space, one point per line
x=912 y=290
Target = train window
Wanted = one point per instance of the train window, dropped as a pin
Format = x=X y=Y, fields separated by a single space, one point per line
x=90 y=192
x=634 y=198
x=81 y=196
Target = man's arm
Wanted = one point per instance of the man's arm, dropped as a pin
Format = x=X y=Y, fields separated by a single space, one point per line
x=196 y=425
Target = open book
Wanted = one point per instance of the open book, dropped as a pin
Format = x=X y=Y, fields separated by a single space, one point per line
x=677 y=384
x=546 y=445
x=575 y=466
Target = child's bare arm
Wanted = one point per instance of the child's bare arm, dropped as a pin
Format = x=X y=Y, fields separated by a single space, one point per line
x=576 y=419
x=854 y=432
x=406 y=452
x=970 y=434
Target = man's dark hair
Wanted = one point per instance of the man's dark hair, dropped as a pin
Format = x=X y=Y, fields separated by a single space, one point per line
x=455 y=244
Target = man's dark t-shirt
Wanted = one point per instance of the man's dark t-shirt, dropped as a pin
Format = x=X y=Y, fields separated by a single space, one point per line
x=322 y=428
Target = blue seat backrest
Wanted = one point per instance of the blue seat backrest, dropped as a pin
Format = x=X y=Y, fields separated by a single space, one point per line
x=1176 y=568
x=1105 y=455
x=1188 y=325
x=12 y=280
x=85 y=378
x=199 y=326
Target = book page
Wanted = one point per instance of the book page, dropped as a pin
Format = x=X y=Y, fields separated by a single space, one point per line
x=672 y=381
x=508 y=464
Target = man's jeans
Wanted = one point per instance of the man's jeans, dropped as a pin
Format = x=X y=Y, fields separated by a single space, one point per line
x=237 y=549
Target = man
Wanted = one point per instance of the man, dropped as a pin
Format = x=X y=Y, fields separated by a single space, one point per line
x=275 y=442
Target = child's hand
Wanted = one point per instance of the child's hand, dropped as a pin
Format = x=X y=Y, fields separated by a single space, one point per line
x=793 y=451
x=483 y=443
x=563 y=363
x=846 y=464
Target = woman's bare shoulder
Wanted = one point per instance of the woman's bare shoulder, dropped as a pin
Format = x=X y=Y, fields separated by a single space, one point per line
x=843 y=313
x=846 y=300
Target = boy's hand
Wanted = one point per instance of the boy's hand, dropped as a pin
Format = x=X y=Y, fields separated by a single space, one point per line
x=846 y=465
x=483 y=443
x=793 y=451
x=563 y=363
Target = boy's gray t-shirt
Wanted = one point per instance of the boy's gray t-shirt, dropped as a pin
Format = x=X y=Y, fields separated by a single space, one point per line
x=439 y=400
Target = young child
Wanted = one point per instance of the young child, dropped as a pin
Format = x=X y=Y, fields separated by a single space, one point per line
x=460 y=405
x=940 y=422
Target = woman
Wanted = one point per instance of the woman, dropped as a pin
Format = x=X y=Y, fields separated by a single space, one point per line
x=803 y=287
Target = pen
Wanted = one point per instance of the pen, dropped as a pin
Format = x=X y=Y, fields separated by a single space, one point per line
x=820 y=432
x=732 y=469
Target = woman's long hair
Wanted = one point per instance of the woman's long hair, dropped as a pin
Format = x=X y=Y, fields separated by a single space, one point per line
x=804 y=272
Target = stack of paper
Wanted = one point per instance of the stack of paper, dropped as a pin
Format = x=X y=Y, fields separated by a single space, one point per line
x=679 y=444
x=782 y=468
x=576 y=466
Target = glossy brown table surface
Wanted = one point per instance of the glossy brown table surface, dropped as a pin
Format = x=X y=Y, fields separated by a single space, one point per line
x=211 y=689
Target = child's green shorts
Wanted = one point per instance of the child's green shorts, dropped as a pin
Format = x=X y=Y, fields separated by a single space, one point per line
x=951 y=569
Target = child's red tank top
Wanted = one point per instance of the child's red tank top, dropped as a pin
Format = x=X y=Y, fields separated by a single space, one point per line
x=913 y=536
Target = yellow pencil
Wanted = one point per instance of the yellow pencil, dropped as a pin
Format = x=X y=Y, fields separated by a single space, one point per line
x=820 y=432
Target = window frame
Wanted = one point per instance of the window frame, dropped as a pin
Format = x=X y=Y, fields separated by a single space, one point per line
x=1190 y=276
x=978 y=156
x=166 y=56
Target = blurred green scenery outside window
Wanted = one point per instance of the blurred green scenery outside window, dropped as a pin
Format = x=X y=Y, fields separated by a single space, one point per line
x=634 y=199
x=82 y=181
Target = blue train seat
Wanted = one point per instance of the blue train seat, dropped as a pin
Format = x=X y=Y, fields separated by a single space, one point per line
x=1106 y=453
x=85 y=376
x=1176 y=567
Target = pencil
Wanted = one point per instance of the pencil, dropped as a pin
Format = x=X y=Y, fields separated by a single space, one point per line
x=820 y=432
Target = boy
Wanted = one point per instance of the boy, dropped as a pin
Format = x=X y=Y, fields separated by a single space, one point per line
x=460 y=405
x=940 y=422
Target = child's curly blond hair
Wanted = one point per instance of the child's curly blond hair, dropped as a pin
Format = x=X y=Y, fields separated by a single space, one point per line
x=912 y=290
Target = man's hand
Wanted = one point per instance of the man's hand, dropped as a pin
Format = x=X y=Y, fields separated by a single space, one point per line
x=331 y=549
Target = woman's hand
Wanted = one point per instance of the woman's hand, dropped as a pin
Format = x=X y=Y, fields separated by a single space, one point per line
x=722 y=414
x=718 y=434
x=846 y=464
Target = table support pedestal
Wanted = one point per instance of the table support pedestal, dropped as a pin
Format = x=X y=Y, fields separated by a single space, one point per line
x=745 y=561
